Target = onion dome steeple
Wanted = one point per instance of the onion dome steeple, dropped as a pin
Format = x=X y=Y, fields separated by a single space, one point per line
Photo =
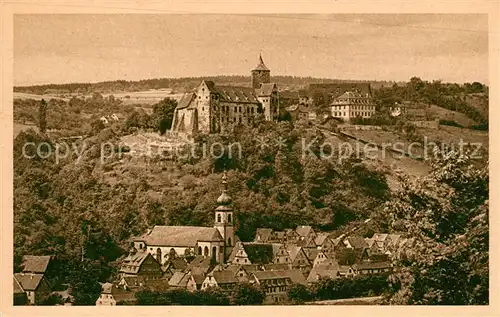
x=224 y=199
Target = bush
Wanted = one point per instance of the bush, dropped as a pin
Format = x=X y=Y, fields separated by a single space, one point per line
x=299 y=293
x=450 y=123
x=359 y=286
x=247 y=294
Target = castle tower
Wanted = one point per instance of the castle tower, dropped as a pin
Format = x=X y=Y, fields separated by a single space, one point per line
x=224 y=220
x=261 y=74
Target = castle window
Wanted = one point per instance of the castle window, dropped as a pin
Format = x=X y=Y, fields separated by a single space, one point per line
x=229 y=218
x=235 y=109
x=229 y=241
x=218 y=218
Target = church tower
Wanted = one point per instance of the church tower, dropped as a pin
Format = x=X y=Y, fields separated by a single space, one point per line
x=261 y=74
x=224 y=220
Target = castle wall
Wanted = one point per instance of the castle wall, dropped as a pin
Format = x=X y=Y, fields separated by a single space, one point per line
x=203 y=104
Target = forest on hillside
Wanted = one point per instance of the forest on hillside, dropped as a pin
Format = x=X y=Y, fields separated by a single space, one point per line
x=178 y=84
x=84 y=210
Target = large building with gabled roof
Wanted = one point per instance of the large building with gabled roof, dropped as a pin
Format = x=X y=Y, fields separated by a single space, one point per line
x=215 y=108
x=216 y=243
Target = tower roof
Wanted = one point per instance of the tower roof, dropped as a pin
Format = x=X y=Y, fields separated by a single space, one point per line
x=261 y=65
x=224 y=199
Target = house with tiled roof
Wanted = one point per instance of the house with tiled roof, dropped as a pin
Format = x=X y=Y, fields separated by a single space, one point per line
x=275 y=284
x=298 y=112
x=214 y=108
x=252 y=253
x=305 y=232
x=165 y=242
x=200 y=265
x=325 y=243
x=224 y=280
x=36 y=263
x=280 y=254
x=263 y=235
x=142 y=264
x=327 y=269
x=185 y=280
x=239 y=271
x=20 y=296
x=316 y=256
x=111 y=295
x=355 y=242
x=372 y=267
x=298 y=258
x=35 y=286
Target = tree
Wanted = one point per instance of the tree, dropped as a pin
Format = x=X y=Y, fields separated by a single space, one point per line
x=42 y=113
x=247 y=294
x=445 y=260
x=163 y=114
x=97 y=126
x=83 y=279
x=299 y=293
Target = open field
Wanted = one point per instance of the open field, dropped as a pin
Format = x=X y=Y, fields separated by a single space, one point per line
x=18 y=127
x=458 y=117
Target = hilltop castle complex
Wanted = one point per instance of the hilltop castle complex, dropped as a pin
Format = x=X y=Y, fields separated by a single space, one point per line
x=213 y=108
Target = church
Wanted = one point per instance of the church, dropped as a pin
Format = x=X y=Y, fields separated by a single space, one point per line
x=215 y=108
x=167 y=242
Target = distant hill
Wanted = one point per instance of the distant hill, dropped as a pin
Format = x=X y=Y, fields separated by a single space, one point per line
x=180 y=84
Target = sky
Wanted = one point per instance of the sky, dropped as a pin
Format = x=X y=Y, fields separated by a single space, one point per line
x=64 y=48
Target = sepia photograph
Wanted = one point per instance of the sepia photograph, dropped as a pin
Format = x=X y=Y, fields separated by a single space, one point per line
x=250 y=159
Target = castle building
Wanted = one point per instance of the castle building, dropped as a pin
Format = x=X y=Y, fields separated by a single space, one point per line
x=215 y=108
x=167 y=242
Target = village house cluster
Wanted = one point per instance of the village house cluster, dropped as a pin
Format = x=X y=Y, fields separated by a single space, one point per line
x=197 y=258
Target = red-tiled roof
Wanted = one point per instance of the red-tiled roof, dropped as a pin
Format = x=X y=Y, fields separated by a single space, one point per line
x=186 y=100
x=304 y=230
x=132 y=263
x=266 y=89
x=357 y=242
x=236 y=94
x=35 y=263
x=224 y=277
x=29 y=281
x=263 y=234
x=18 y=289
x=182 y=236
